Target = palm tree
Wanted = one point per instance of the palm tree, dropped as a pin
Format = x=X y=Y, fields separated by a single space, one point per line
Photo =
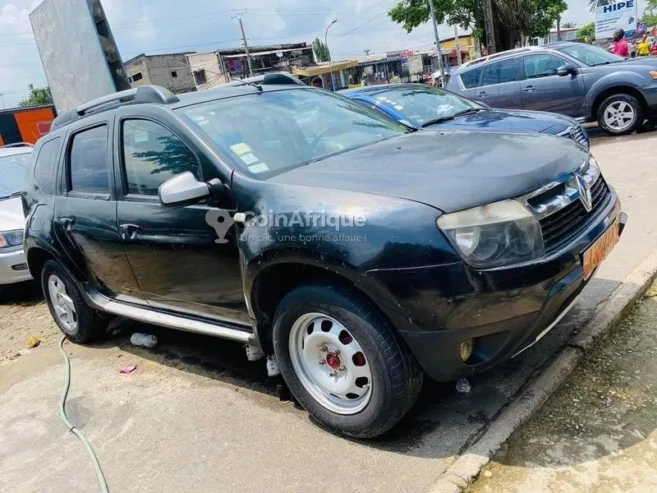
x=569 y=25
x=594 y=4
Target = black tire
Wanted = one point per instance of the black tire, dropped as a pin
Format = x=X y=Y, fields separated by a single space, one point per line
x=90 y=327
x=396 y=375
x=624 y=98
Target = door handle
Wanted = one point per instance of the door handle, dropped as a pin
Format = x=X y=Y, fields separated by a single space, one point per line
x=129 y=231
x=528 y=88
x=482 y=94
x=67 y=222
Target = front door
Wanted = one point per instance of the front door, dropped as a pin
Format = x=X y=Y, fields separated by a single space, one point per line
x=544 y=90
x=177 y=259
x=85 y=213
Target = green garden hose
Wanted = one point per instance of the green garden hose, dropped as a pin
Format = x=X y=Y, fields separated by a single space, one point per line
x=62 y=412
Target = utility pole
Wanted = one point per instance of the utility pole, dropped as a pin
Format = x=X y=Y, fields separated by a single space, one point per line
x=440 y=51
x=246 y=45
x=490 y=26
x=329 y=53
x=457 y=45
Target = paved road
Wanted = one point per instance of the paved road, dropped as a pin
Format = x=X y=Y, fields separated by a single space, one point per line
x=598 y=433
x=196 y=417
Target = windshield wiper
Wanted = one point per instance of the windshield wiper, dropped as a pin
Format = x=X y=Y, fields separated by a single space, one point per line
x=15 y=194
x=437 y=120
x=468 y=111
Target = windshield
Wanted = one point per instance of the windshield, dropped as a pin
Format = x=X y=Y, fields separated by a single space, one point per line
x=13 y=174
x=590 y=55
x=420 y=105
x=268 y=133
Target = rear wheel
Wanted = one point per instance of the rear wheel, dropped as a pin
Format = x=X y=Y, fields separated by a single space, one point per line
x=75 y=319
x=342 y=362
x=620 y=114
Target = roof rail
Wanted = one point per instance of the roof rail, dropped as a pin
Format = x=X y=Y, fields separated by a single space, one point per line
x=140 y=95
x=17 y=144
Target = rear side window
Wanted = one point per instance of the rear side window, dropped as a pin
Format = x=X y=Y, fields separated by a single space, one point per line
x=152 y=155
x=500 y=72
x=472 y=78
x=88 y=166
x=45 y=168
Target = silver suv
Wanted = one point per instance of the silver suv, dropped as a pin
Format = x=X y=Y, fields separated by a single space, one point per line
x=575 y=79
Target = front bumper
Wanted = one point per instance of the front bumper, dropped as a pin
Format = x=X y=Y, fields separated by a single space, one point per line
x=505 y=310
x=13 y=267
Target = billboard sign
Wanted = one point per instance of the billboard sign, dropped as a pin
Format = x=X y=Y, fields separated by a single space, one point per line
x=78 y=51
x=610 y=17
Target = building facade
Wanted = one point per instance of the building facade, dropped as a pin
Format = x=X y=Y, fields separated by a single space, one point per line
x=169 y=70
x=211 y=69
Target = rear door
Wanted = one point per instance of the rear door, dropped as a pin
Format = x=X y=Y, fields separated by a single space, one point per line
x=544 y=90
x=177 y=259
x=85 y=211
x=500 y=85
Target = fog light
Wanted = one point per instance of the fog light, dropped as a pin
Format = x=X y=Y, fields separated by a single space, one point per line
x=466 y=350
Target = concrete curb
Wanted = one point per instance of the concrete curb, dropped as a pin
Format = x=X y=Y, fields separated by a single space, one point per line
x=465 y=469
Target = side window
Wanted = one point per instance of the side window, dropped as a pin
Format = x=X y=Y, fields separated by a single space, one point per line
x=88 y=166
x=45 y=168
x=500 y=72
x=152 y=155
x=472 y=78
x=543 y=65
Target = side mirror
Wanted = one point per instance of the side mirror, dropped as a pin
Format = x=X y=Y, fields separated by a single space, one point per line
x=566 y=69
x=183 y=189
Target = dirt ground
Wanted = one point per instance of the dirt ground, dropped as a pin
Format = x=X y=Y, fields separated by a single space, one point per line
x=598 y=433
x=24 y=315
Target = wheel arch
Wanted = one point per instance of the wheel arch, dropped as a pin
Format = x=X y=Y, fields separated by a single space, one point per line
x=619 y=89
x=275 y=281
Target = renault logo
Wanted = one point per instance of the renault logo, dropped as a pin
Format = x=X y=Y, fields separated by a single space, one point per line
x=584 y=192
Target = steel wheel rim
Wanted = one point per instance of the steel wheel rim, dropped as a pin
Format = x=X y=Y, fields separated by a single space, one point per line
x=619 y=115
x=330 y=363
x=62 y=303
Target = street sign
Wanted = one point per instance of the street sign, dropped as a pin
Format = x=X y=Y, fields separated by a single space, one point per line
x=610 y=17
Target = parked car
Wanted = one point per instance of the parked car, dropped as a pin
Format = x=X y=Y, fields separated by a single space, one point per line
x=14 y=159
x=420 y=106
x=353 y=252
x=575 y=79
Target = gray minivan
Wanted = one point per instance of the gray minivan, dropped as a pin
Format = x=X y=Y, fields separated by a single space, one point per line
x=575 y=79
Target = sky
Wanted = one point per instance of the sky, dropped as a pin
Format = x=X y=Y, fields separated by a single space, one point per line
x=162 y=26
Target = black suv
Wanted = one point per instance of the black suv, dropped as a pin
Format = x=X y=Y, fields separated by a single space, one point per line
x=352 y=252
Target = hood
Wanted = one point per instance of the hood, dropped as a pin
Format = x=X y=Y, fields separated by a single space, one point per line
x=509 y=121
x=449 y=170
x=11 y=214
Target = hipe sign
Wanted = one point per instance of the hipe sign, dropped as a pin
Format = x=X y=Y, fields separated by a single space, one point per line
x=622 y=15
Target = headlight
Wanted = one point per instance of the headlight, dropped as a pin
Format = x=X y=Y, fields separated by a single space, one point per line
x=503 y=233
x=11 y=238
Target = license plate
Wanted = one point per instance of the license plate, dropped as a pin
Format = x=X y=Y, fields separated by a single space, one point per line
x=600 y=249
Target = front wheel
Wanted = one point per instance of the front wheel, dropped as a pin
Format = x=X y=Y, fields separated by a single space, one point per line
x=620 y=114
x=341 y=361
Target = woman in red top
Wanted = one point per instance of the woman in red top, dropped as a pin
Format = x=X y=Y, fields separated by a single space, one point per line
x=621 y=48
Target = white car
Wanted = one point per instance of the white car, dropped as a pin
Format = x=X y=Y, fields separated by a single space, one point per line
x=13 y=168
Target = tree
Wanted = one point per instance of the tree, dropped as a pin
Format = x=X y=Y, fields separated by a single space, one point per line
x=322 y=53
x=594 y=4
x=513 y=18
x=650 y=14
x=587 y=32
x=39 y=96
x=569 y=25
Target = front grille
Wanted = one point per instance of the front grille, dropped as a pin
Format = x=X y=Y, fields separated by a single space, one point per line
x=578 y=134
x=559 y=228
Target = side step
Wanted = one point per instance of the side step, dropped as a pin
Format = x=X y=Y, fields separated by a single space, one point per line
x=150 y=316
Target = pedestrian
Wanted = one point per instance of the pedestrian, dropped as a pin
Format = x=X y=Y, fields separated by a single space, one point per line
x=621 y=48
x=643 y=48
